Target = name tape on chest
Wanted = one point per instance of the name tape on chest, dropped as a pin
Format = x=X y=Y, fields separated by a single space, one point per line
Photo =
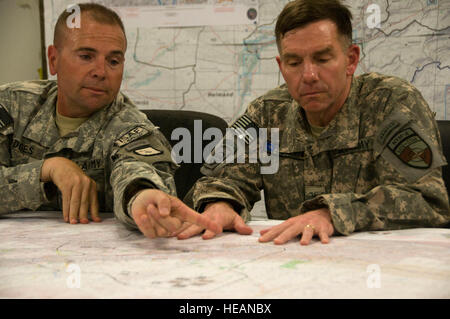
x=90 y=164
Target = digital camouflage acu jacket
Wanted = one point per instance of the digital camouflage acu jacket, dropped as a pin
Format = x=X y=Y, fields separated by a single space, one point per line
x=376 y=166
x=117 y=147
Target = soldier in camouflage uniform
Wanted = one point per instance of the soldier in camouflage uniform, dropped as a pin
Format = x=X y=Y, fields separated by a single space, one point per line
x=113 y=159
x=355 y=153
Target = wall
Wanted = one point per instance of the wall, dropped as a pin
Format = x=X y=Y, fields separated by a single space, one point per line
x=20 y=49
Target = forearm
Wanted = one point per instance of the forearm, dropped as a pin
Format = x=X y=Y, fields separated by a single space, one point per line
x=389 y=206
x=21 y=188
x=130 y=176
x=237 y=184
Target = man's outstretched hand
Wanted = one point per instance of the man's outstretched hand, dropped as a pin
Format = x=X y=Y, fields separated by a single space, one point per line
x=158 y=214
x=224 y=215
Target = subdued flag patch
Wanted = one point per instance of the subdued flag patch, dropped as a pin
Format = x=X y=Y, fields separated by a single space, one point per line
x=5 y=118
x=241 y=127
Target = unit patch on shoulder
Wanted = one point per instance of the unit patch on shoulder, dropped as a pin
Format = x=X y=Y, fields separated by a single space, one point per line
x=411 y=149
x=5 y=118
x=131 y=136
x=147 y=151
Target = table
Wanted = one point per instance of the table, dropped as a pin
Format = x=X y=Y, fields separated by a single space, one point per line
x=43 y=257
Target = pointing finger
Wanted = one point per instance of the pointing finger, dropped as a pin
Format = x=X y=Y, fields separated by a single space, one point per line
x=209 y=234
x=189 y=215
x=190 y=232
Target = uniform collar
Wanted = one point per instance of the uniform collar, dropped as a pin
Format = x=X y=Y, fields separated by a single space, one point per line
x=343 y=130
x=42 y=128
x=341 y=133
x=82 y=139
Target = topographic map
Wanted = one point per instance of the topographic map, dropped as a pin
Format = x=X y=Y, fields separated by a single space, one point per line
x=216 y=56
x=41 y=256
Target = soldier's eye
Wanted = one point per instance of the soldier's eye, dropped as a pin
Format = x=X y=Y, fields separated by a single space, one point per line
x=85 y=57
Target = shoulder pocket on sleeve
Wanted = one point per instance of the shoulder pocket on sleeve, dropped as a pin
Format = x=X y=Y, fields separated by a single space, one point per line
x=409 y=149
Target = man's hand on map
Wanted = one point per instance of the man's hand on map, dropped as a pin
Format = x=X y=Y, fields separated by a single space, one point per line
x=224 y=215
x=314 y=223
x=79 y=191
x=159 y=215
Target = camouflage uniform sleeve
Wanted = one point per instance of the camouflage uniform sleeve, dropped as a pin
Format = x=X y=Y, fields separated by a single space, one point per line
x=238 y=184
x=20 y=185
x=236 y=178
x=141 y=158
x=410 y=191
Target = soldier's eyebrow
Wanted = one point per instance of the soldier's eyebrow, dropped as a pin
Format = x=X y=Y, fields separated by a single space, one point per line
x=116 y=52
x=88 y=49
x=289 y=55
x=327 y=50
x=286 y=56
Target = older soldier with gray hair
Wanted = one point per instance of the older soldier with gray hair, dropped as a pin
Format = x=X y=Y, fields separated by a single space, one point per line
x=355 y=153
x=80 y=145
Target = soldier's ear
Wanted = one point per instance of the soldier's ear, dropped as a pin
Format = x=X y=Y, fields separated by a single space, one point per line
x=278 y=61
x=280 y=66
x=353 y=52
x=52 y=54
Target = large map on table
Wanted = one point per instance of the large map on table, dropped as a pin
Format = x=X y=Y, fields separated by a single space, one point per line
x=41 y=256
x=218 y=55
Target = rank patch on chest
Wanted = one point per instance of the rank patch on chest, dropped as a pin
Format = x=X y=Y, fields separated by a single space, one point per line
x=131 y=136
x=147 y=151
x=411 y=149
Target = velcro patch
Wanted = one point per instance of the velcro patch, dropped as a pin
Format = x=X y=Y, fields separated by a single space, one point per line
x=147 y=151
x=131 y=136
x=5 y=118
x=241 y=127
x=411 y=149
x=313 y=191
